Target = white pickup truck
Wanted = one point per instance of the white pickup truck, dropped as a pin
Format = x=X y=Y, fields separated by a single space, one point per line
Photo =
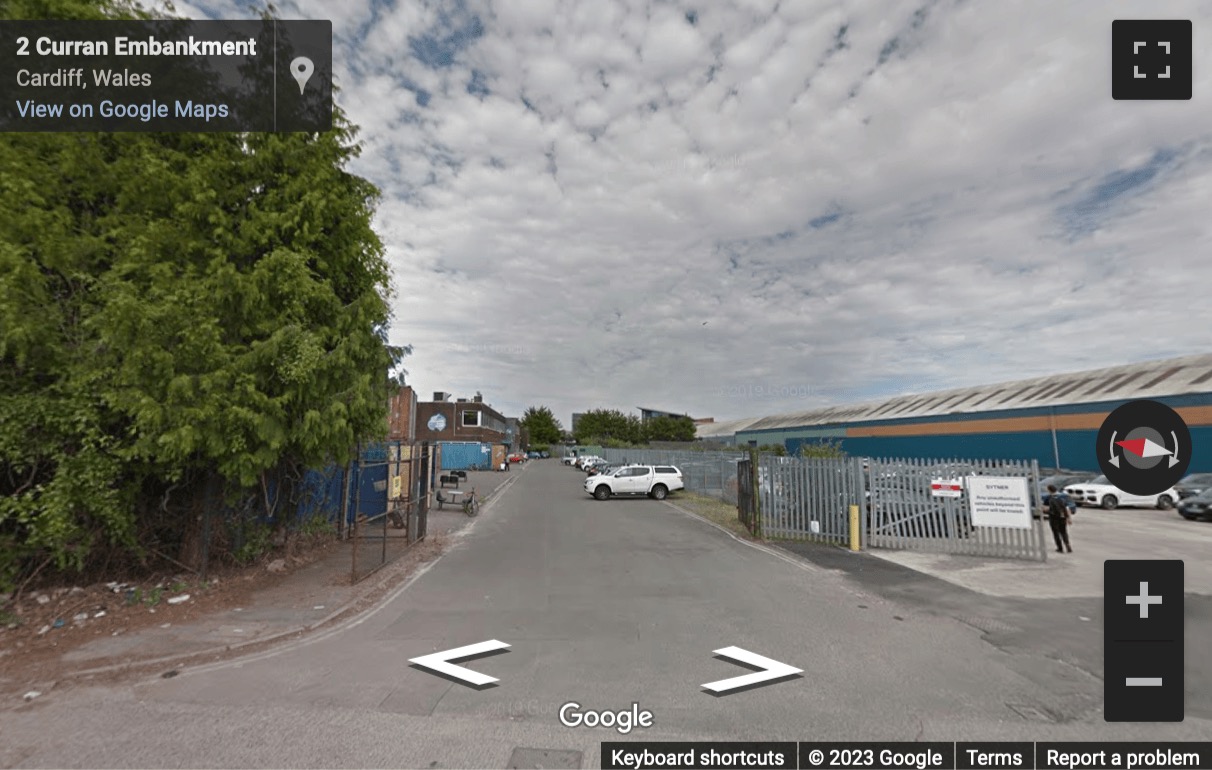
x=655 y=481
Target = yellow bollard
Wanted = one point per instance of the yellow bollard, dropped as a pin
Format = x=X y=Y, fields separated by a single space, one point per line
x=855 y=543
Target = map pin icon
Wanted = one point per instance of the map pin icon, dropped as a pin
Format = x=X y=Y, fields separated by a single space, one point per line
x=302 y=68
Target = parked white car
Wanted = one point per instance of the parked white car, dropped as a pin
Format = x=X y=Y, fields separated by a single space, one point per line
x=1102 y=493
x=655 y=481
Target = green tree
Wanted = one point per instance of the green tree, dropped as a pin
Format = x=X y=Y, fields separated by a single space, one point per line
x=542 y=426
x=665 y=428
x=174 y=308
x=603 y=425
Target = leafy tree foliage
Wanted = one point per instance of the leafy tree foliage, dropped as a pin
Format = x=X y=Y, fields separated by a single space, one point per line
x=665 y=428
x=176 y=307
x=542 y=426
x=601 y=425
x=779 y=450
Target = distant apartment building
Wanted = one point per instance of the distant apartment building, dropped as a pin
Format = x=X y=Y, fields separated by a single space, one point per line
x=647 y=414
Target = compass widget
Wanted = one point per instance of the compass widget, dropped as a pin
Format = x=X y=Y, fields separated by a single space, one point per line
x=1144 y=447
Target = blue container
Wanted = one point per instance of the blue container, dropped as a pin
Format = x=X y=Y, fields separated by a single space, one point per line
x=464 y=455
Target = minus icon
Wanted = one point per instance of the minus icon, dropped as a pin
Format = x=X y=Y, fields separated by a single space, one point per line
x=1144 y=681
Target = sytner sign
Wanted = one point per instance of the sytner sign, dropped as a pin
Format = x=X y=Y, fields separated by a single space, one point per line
x=999 y=501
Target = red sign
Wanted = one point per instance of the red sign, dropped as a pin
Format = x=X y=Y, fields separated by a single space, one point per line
x=946 y=487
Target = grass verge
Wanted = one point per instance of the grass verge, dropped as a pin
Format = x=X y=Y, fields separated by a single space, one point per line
x=714 y=510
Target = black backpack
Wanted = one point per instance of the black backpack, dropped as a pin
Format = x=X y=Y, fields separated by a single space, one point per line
x=1057 y=507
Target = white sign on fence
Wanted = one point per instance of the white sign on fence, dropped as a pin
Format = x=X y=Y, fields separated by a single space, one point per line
x=1000 y=501
x=946 y=487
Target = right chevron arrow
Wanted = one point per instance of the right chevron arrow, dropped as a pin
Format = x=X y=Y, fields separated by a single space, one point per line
x=772 y=670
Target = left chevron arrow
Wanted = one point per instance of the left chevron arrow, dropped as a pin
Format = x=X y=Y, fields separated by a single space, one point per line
x=440 y=662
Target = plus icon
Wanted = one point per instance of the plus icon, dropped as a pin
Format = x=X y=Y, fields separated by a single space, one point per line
x=1144 y=600
x=1151 y=59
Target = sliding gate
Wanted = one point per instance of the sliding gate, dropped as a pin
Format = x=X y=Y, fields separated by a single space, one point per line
x=905 y=510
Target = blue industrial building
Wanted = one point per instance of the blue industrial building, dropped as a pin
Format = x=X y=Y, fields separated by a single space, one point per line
x=1053 y=419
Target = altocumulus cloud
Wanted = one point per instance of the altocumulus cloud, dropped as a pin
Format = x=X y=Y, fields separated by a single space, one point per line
x=615 y=203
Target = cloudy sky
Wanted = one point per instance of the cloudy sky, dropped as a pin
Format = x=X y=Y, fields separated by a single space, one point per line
x=742 y=207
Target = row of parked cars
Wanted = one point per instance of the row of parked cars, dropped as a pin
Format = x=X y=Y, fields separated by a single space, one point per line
x=1192 y=496
x=521 y=457
x=604 y=480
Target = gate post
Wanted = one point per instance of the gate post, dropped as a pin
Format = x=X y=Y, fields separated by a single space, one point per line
x=357 y=529
x=1040 y=534
x=854 y=528
x=755 y=490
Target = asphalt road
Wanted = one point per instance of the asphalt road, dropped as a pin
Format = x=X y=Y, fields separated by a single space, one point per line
x=607 y=604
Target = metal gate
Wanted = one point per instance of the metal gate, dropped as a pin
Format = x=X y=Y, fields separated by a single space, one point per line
x=390 y=484
x=903 y=511
x=746 y=502
x=807 y=498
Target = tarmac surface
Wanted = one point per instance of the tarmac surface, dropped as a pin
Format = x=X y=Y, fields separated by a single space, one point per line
x=606 y=604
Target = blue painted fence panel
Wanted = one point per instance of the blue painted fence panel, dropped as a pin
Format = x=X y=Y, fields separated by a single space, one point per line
x=461 y=456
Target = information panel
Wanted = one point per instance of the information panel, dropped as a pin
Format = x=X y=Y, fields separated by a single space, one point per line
x=1000 y=501
x=165 y=76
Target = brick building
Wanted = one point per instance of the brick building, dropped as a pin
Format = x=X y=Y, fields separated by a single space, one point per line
x=460 y=420
x=402 y=416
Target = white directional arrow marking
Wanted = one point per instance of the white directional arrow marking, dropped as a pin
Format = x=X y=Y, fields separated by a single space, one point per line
x=440 y=662
x=773 y=670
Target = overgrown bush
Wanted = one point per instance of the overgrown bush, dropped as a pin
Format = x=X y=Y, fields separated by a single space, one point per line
x=823 y=449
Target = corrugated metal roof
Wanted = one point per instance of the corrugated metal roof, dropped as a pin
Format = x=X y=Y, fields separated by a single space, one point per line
x=1169 y=377
x=726 y=428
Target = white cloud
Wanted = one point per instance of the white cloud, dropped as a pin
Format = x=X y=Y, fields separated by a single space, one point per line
x=957 y=159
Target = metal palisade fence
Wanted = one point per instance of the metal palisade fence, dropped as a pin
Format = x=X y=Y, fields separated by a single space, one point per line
x=708 y=473
x=926 y=505
x=899 y=506
x=909 y=504
x=808 y=498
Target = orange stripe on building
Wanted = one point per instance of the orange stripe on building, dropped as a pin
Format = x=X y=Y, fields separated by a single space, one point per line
x=1192 y=415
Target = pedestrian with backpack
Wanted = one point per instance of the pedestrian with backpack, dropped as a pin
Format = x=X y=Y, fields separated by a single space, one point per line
x=1059 y=519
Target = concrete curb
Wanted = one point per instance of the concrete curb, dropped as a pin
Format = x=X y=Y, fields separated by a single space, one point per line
x=347 y=608
x=390 y=593
x=228 y=649
x=777 y=553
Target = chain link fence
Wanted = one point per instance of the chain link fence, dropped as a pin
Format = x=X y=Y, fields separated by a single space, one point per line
x=708 y=473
